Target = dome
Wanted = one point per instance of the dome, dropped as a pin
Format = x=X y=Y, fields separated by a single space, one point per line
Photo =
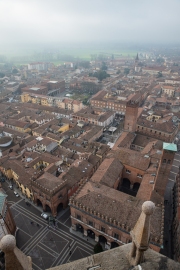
x=5 y=141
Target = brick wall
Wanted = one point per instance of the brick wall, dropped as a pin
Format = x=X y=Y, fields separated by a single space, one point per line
x=163 y=171
x=131 y=117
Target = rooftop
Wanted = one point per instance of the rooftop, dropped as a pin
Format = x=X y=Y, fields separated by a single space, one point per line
x=170 y=146
x=116 y=259
x=34 y=88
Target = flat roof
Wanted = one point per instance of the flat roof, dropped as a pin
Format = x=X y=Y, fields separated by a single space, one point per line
x=11 y=83
x=53 y=82
x=39 y=138
x=112 y=129
x=34 y=88
x=110 y=144
x=170 y=146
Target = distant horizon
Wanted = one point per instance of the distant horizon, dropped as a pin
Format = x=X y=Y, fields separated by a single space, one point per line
x=42 y=25
x=76 y=50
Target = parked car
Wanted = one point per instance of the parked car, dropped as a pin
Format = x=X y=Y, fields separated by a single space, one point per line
x=45 y=216
x=16 y=194
x=11 y=187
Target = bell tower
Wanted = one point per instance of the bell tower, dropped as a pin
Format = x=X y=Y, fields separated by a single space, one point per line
x=131 y=116
x=169 y=150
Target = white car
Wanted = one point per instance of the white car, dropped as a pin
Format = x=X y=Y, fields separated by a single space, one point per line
x=11 y=187
x=16 y=194
x=45 y=216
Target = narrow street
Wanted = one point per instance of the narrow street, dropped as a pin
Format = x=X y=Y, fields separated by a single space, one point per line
x=168 y=217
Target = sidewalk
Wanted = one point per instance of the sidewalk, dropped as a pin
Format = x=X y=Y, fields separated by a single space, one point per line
x=82 y=236
x=39 y=208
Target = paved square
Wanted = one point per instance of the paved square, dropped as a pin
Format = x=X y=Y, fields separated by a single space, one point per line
x=48 y=247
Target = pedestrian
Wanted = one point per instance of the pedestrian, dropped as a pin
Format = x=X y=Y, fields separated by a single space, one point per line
x=87 y=239
x=70 y=252
x=69 y=245
x=37 y=224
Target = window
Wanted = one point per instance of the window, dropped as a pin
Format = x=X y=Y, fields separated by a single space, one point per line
x=90 y=223
x=116 y=235
x=169 y=161
x=128 y=171
x=103 y=229
x=79 y=217
x=164 y=160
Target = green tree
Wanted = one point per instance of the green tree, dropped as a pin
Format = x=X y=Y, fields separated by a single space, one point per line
x=85 y=101
x=98 y=248
x=85 y=64
x=100 y=75
x=126 y=71
x=104 y=67
x=2 y=75
x=160 y=60
x=14 y=71
x=159 y=75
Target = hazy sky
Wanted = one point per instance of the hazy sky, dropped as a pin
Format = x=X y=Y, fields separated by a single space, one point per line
x=74 y=21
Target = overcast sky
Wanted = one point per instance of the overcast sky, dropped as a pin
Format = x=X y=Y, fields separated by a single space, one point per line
x=74 y=21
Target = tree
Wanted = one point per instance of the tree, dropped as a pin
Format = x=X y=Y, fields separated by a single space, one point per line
x=100 y=75
x=85 y=101
x=160 y=60
x=118 y=72
x=104 y=67
x=85 y=64
x=15 y=71
x=98 y=248
x=2 y=75
x=159 y=75
x=126 y=71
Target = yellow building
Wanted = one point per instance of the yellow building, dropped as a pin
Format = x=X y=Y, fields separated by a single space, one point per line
x=18 y=125
x=25 y=97
x=153 y=117
x=63 y=128
x=22 y=180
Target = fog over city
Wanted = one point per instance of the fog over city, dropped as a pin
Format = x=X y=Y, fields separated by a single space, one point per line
x=89 y=134
x=60 y=22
